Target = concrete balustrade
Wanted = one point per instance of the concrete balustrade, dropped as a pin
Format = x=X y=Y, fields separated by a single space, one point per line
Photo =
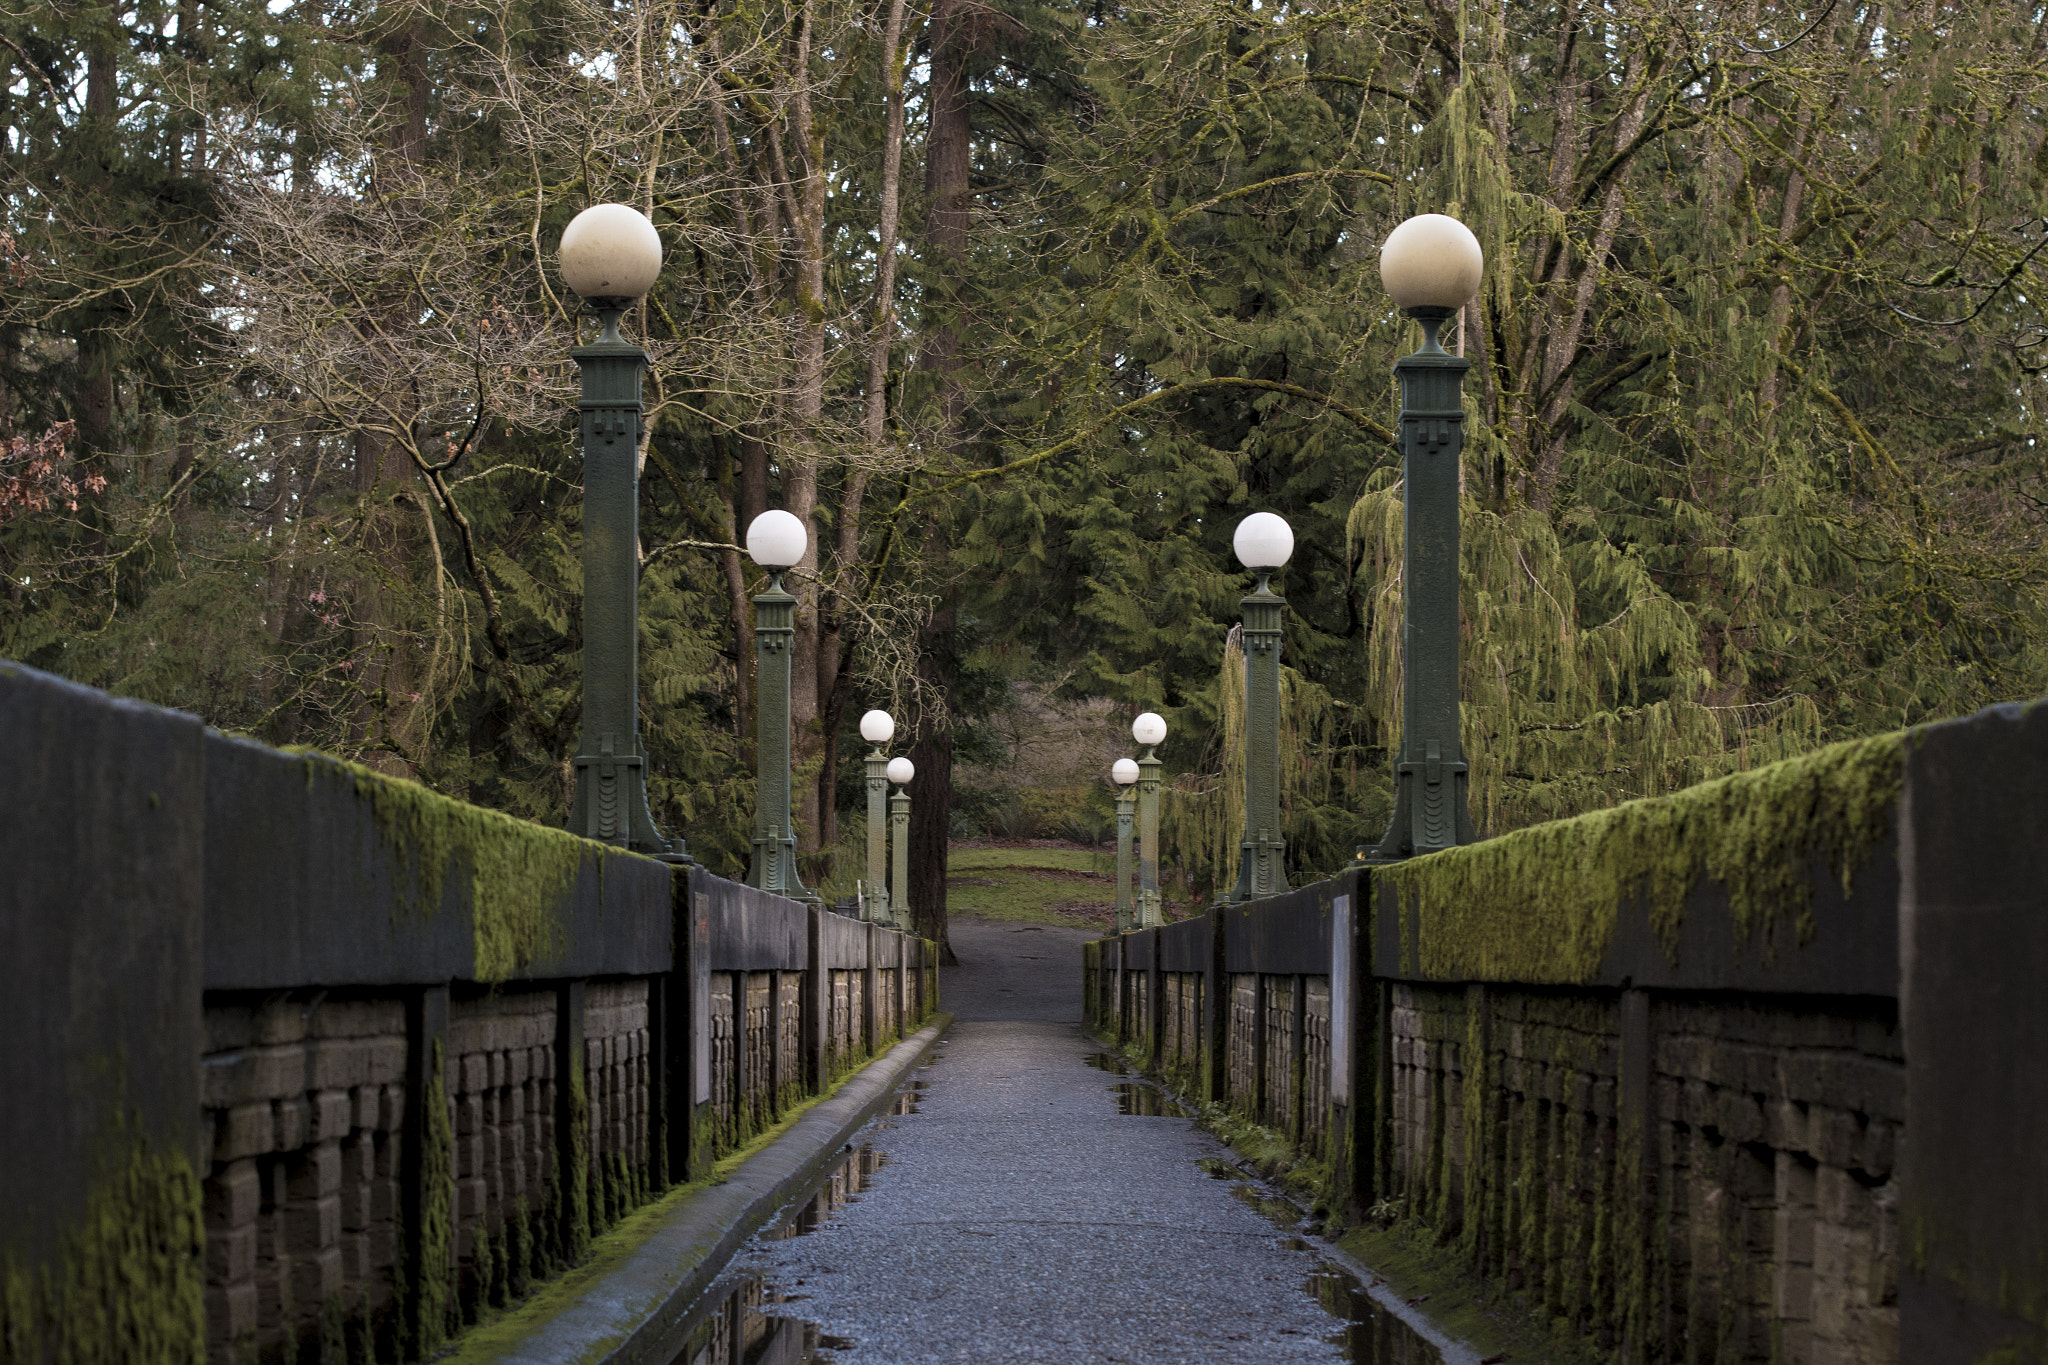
x=1745 y=1074
x=317 y=1061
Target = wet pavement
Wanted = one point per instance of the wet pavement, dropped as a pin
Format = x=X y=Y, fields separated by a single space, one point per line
x=1028 y=1201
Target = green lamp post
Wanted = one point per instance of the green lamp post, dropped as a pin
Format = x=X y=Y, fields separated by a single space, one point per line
x=1431 y=266
x=1263 y=543
x=775 y=540
x=900 y=771
x=1149 y=730
x=610 y=256
x=1124 y=773
x=877 y=728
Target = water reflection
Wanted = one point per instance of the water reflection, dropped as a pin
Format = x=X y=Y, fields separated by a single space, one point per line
x=756 y=1324
x=1372 y=1335
x=743 y=1328
x=907 y=1099
x=840 y=1187
x=1107 y=1061
x=1146 y=1100
x=743 y=1331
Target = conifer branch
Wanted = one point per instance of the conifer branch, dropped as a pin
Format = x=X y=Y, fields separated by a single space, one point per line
x=1351 y=414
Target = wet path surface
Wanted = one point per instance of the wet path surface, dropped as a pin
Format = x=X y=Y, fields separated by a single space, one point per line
x=1023 y=1205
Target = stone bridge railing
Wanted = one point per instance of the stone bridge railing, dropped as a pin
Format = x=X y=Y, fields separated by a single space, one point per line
x=306 y=1063
x=1753 y=1073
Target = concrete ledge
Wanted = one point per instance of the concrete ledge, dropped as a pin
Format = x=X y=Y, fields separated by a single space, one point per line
x=635 y=1314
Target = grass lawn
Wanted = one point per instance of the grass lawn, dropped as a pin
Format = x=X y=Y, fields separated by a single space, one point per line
x=1073 y=887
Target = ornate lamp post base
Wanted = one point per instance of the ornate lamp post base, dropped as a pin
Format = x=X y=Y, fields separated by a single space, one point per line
x=611 y=767
x=1262 y=863
x=1126 y=917
x=877 y=891
x=899 y=830
x=774 y=867
x=1431 y=811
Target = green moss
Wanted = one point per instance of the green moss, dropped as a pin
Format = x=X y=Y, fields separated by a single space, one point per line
x=1475 y=1311
x=518 y=872
x=573 y=1213
x=1541 y=904
x=520 y=1270
x=432 y=1312
x=126 y=1282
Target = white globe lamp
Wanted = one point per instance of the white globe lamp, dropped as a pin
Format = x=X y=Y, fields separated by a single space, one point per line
x=1431 y=262
x=776 y=540
x=901 y=771
x=1149 y=729
x=1263 y=542
x=610 y=251
x=877 y=727
x=1124 y=772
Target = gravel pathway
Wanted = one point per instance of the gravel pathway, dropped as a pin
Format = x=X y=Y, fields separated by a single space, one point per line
x=1018 y=1216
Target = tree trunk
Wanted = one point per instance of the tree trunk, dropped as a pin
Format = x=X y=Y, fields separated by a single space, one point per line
x=804 y=193
x=383 y=465
x=947 y=166
x=848 y=583
x=742 y=609
x=931 y=803
x=98 y=143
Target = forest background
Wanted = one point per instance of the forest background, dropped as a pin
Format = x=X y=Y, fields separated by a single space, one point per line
x=1021 y=306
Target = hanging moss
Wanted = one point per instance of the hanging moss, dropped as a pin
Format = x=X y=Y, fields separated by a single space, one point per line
x=1540 y=904
x=126 y=1283
x=518 y=872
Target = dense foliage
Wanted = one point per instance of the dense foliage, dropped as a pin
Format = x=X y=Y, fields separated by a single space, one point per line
x=1021 y=308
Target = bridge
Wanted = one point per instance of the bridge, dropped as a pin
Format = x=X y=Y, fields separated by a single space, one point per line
x=307 y=1063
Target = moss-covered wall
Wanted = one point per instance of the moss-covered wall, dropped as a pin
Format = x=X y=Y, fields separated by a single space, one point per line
x=513 y=875
x=126 y=1284
x=101 y=937
x=1542 y=904
x=1567 y=1130
x=373 y=881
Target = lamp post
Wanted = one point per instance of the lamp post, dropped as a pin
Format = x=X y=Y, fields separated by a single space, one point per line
x=1263 y=543
x=776 y=540
x=1124 y=773
x=1149 y=730
x=878 y=728
x=1431 y=266
x=900 y=771
x=610 y=256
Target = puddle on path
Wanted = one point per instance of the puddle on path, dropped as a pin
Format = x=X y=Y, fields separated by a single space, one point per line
x=1371 y=1335
x=1147 y=1101
x=745 y=1330
x=755 y=1323
x=1136 y=1096
x=744 y=1326
x=907 y=1099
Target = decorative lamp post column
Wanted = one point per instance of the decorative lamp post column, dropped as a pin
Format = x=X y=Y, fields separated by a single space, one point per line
x=1124 y=773
x=1431 y=266
x=1150 y=731
x=610 y=256
x=1263 y=543
x=878 y=728
x=900 y=772
x=776 y=540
